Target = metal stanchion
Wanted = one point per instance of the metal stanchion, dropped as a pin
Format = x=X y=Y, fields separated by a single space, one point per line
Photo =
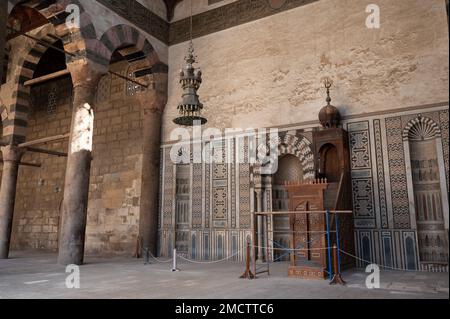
x=146 y=256
x=174 y=265
x=329 y=243
x=338 y=242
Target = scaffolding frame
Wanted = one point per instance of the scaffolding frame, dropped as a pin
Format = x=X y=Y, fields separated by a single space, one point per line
x=334 y=278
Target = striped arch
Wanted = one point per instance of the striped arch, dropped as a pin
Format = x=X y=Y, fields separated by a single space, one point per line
x=15 y=112
x=55 y=12
x=424 y=124
x=15 y=109
x=121 y=36
x=298 y=145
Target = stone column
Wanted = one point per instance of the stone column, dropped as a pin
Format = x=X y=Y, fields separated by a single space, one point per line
x=152 y=105
x=11 y=160
x=3 y=18
x=76 y=187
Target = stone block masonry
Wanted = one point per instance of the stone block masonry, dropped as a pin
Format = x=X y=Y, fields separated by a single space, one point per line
x=115 y=182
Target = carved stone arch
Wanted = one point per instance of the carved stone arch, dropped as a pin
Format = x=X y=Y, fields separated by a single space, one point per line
x=421 y=127
x=296 y=144
x=295 y=148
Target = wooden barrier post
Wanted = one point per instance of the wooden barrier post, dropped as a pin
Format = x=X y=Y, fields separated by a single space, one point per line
x=247 y=274
x=337 y=278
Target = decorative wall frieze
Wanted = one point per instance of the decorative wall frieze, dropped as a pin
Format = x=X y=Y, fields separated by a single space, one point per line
x=228 y=16
x=361 y=169
x=221 y=18
x=142 y=17
x=380 y=173
x=397 y=170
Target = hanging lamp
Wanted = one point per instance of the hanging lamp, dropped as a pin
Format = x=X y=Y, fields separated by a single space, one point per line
x=190 y=108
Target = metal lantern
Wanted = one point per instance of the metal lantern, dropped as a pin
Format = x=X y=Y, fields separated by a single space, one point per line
x=190 y=79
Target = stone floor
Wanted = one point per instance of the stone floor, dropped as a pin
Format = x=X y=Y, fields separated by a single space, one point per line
x=36 y=275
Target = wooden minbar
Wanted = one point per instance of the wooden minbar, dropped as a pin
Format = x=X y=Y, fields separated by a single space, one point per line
x=329 y=195
x=308 y=230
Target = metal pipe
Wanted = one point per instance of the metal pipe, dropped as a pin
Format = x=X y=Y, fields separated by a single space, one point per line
x=39 y=150
x=45 y=140
x=47 y=77
x=128 y=79
x=48 y=45
x=26 y=164
x=338 y=241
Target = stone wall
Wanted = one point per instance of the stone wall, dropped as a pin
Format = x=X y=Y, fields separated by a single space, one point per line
x=114 y=198
x=156 y=6
x=40 y=190
x=385 y=214
x=268 y=72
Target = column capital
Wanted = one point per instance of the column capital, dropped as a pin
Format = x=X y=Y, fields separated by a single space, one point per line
x=12 y=153
x=152 y=101
x=258 y=189
x=85 y=73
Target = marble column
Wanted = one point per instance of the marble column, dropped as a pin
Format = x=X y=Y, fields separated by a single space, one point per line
x=11 y=160
x=76 y=188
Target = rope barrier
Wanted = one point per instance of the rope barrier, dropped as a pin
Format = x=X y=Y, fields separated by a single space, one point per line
x=381 y=266
x=209 y=262
x=292 y=249
x=160 y=261
x=298 y=247
x=296 y=232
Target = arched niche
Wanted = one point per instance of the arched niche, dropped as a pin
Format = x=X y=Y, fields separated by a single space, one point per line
x=289 y=170
x=182 y=208
x=427 y=189
x=329 y=163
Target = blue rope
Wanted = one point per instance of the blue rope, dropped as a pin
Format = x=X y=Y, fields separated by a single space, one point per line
x=338 y=241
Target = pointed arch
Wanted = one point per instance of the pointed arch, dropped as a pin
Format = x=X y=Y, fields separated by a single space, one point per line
x=55 y=12
x=16 y=106
x=17 y=99
x=120 y=36
x=294 y=143
x=427 y=190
